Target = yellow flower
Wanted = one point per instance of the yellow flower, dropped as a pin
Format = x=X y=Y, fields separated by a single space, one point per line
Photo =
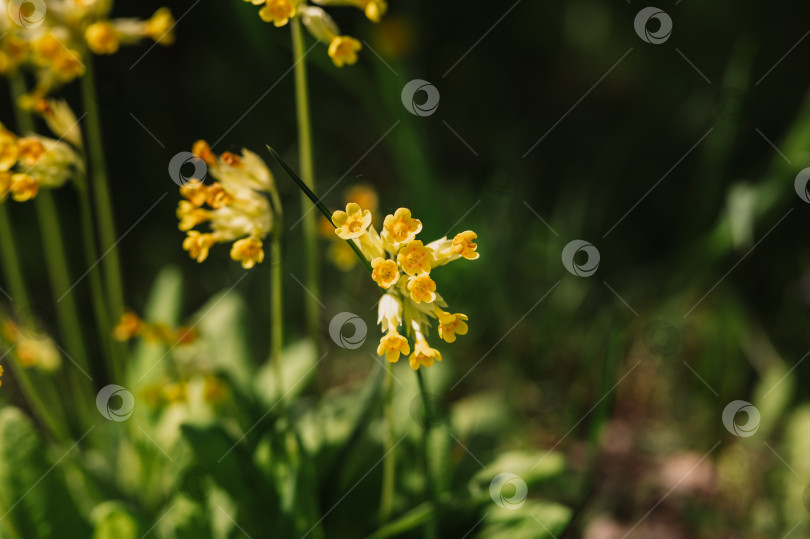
x=1 y=375
x=202 y=150
x=67 y=65
x=159 y=27
x=30 y=150
x=422 y=288
x=248 y=251
x=23 y=187
x=190 y=215
x=401 y=227
x=343 y=50
x=384 y=272
x=129 y=326
x=451 y=324
x=8 y=151
x=415 y=258
x=46 y=50
x=198 y=244
x=375 y=9
x=463 y=245
x=351 y=223
x=102 y=38
x=279 y=12
x=195 y=191
x=217 y=197
x=423 y=355
x=392 y=345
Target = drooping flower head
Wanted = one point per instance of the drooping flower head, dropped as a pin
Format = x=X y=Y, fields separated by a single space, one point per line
x=51 y=39
x=234 y=205
x=31 y=163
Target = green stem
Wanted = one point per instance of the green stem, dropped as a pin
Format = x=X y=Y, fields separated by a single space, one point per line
x=307 y=167
x=56 y=264
x=431 y=525
x=276 y=312
x=101 y=191
x=10 y=261
x=389 y=462
x=38 y=407
x=104 y=324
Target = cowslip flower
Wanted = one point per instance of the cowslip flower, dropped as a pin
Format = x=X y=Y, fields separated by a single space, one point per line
x=342 y=49
x=30 y=163
x=401 y=265
x=53 y=49
x=131 y=326
x=31 y=348
x=339 y=252
x=234 y=206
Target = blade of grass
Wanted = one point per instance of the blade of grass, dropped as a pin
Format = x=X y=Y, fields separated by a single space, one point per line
x=317 y=201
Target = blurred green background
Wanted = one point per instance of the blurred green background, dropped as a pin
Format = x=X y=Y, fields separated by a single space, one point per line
x=628 y=371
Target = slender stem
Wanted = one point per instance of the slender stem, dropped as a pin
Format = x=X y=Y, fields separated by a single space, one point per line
x=10 y=261
x=307 y=167
x=101 y=192
x=100 y=310
x=389 y=462
x=430 y=492
x=38 y=406
x=56 y=264
x=276 y=320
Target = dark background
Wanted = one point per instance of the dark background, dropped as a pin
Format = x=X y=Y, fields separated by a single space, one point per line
x=550 y=361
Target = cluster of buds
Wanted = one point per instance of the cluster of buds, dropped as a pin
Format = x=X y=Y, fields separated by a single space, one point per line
x=342 y=49
x=131 y=326
x=235 y=206
x=33 y=162
x=401 y=265
x=30 y=347
x=52 y=38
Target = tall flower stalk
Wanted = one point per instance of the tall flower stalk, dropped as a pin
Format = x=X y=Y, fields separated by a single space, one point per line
x=101 y=191
x=401 y=265
x=307 y=167
x=342 y=50
x=57 y=266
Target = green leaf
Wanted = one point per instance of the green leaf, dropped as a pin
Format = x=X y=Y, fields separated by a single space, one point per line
x=297 y=368
x=34 y=499
x=532 y=520
x=113 y=520
x=232 y=468
x=222 y=322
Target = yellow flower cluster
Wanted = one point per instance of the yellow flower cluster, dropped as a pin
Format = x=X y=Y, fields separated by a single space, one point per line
x=33 y=162
x=342 y=49
x=235 y=206
x=51 y=39
x=131 y=326
x=401 y=265
x=213 y=391
x=31 y=349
